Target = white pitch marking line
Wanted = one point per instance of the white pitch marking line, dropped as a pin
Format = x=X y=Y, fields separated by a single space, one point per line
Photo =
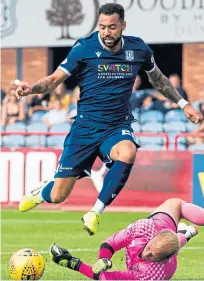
x=46 y=252
x=39 y=221
x=95 y=250
x=56 y=221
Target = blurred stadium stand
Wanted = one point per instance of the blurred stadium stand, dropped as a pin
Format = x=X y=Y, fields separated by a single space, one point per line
x=154 y=131
x=58 y=141
x=36 y=141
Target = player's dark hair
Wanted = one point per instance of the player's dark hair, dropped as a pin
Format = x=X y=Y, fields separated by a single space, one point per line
x=112 y=8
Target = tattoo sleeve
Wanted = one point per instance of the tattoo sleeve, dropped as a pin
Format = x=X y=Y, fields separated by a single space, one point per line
x=162 y=84
x=43 y=85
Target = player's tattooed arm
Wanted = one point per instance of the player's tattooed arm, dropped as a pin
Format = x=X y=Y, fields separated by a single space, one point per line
x=162 y=84
x=43 y=85
x=49 y=83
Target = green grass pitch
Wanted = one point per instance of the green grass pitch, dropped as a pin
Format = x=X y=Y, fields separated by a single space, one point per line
x=39 y=229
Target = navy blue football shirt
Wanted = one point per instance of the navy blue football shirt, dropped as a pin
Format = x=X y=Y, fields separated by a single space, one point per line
x=106 y=78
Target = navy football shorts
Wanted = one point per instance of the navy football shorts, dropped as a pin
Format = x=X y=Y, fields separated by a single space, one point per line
x=84 y=143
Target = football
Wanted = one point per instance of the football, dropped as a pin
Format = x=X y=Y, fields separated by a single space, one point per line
x=26 y=264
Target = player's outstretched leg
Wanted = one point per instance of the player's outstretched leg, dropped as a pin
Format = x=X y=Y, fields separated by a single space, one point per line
x=34 y=197
x=114 y=181
x=179 y=209
x=192 y=213
x=123 y=153
x=91 y=219
x=51 y=192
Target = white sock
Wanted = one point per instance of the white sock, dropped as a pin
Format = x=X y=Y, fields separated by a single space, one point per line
x=40 y=197
x=98 y=207
x=39 y=193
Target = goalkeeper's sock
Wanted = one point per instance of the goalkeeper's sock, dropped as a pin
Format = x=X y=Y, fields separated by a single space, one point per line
x=114 y=181
x=46 y=192
x=86 y=270
x=192 y=213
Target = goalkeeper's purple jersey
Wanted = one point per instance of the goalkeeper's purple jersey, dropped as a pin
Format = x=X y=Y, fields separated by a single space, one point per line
x=133 y=239
x=105 y=78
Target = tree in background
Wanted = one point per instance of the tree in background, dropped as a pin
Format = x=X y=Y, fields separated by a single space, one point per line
x=64 y=13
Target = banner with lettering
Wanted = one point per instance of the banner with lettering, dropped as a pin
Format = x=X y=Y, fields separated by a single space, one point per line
x=198 y=179
x=155 y=177
x=36 y=23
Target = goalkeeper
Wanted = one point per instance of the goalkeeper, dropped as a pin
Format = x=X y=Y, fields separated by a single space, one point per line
x=151 y=245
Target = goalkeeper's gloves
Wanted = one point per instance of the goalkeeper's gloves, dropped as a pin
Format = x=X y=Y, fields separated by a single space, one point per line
x=101 y=265
x=63 y=257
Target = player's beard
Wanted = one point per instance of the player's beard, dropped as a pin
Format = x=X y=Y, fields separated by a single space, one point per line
x=112 y=43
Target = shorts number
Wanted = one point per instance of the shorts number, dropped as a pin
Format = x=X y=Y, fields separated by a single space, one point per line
x=127 y=132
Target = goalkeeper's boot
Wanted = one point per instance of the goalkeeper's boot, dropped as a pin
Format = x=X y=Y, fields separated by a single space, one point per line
x=101 y=265
x=32 y=199
x=63 y=257
x=91 y=221
x=188 y=230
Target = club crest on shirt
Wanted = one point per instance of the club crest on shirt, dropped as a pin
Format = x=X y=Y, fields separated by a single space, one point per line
x=129 y=55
